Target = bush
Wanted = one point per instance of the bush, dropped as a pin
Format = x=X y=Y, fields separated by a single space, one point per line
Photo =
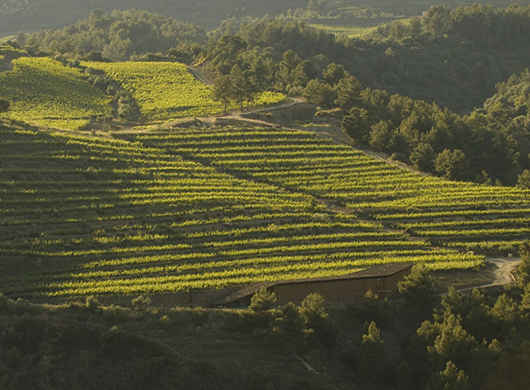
x=262 y=301
x=317 y=319
x=372 y=360
x=418 y=287
x=141 y=303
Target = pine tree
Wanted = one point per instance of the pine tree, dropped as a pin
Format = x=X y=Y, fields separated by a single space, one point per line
x=289 y=327
x=525 y=303
x=222 y=91
x=262 y=301
x=372 y=360
x=523 y=270
x=452 y=164
x=450 y=379
x=422 y=156
x=316 y=318
x=348 y=93
x=356 y=125
x=524 y=180
x=418 y=287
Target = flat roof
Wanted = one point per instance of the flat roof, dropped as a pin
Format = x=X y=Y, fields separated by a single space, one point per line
x=376 y=271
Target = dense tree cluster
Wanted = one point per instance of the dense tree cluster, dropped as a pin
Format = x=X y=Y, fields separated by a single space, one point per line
x=118 y=36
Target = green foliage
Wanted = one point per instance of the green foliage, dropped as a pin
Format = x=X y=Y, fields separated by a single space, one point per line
x=525 y=304
x=120 y=34
x=472 y=311
x=348 y=92
x=422 y=156
x=356 y=125
x=449 y=341
x=262 y=301
x=317 y=319
x=450 y=379
x=289 y=328
x=452 y=164
x=318 y=92
x=165 y=90
x=524 y=180
x=92 y=304
x=523 y=269
x=141 y=303
x=418 y=287
x=381 y=136
x=334 y=73
x=372 y=359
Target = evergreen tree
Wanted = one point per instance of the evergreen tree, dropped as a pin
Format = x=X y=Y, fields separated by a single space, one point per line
x=525 y=302
x=289 y=327
x=371 y=355
x=422 y=156
x=262 y=301
x=348 y=93
x=524 y=180
x=334 y=73
x=356 y=125
x=320 y=93
x=222 y=91
x=381 y=136
x=316 y=318
x=239 y=85
x=452 y=164
x=450 y=379
x=523 y=270
x=418 y=287
x=452 y=342
x=507 y=313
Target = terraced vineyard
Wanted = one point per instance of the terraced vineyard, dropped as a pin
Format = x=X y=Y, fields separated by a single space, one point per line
x=86 y=215
x=45 y=92
x=455 y=214
x=168 y=90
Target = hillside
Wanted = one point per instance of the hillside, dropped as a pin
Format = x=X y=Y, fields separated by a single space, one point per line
x=50 y=93
x=46 y=92
x=455 y=214
x=165 y=90
x=84 y=215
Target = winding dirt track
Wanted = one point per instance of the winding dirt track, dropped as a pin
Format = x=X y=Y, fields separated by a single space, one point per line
x=500 y=272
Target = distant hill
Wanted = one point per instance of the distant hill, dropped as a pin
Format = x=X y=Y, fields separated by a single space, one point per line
x=16 y=15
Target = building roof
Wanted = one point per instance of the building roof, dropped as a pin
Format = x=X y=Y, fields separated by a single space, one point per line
x=377 y=271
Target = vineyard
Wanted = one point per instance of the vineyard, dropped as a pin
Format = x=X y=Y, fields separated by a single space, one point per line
x=88 y=215
x=168 y=90
x=454 y=214
x=45 y=92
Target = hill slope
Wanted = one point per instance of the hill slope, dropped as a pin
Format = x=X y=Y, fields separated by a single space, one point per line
x=456 y=214
x=45 y=92
x=83 y=216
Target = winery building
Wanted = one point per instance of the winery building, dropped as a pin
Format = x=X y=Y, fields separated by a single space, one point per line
x=381 y=280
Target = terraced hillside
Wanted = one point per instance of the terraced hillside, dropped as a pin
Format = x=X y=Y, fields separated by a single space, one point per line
x=45 y=92
x=455 y=214
x=81 y=215
x=167 y=90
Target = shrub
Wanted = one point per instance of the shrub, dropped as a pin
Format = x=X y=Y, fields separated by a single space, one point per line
x=141 y=303
x=262 y=301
